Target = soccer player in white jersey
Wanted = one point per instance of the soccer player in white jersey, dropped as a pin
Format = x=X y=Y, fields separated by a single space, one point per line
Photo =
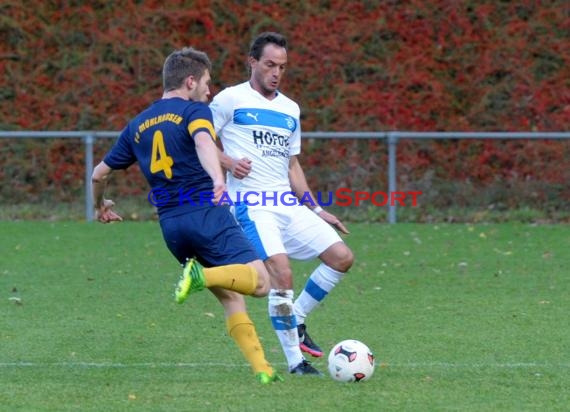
x=260 y=131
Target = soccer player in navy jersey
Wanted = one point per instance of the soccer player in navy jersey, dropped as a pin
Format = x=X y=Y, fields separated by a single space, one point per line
x=173 y=143
x=261 y=134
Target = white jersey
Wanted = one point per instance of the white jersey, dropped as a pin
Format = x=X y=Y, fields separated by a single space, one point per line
x=268 y=132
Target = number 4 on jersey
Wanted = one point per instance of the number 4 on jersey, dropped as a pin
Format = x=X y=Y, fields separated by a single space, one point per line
x=159 y=159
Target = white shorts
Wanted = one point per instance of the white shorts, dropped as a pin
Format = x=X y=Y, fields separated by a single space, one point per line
x=294 y=230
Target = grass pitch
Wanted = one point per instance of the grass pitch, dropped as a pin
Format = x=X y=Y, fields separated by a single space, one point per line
x=460 y=317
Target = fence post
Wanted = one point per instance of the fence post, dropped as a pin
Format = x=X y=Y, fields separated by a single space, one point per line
x=392 y=142
x=88 y=139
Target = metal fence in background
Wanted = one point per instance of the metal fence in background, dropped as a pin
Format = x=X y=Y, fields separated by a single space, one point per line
x=392 y=138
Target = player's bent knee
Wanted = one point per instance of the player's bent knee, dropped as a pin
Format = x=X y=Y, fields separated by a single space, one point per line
x=280 y=272
x=339 y=257
x=346 y=259
x=263 y=286
x=282 y=279
x=230 y=300
x=262 y=290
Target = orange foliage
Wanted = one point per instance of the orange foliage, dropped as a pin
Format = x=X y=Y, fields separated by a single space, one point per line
x=381 y=65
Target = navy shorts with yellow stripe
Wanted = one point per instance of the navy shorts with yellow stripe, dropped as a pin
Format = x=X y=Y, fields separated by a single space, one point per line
x=210 y=234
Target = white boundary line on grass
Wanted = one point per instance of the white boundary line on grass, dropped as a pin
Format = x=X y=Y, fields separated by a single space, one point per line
x=448 y=365
x=412 y=365
x=118 y=364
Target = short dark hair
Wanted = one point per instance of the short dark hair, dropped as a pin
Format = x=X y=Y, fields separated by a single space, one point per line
x=256 y=48
x=183 y=63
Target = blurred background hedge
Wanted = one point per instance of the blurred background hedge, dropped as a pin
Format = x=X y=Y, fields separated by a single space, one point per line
x=353 y=66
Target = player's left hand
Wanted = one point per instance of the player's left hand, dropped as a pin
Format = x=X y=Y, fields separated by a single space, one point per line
x=105 y=213
x=219 y=190
x=333 y=220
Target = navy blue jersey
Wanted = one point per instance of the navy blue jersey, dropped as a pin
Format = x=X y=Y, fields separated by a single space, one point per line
x=161 y=140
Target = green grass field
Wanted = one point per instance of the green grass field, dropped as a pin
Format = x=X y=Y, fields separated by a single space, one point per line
x=460 y=317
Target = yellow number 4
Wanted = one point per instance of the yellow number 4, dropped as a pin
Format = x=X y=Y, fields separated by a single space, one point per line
x=160 y=159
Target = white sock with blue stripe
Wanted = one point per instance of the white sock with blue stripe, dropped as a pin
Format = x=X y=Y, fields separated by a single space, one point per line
x=280 y=306
x=319 y=284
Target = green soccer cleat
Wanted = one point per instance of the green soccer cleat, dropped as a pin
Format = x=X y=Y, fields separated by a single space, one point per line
x=191 y=281
x=264 y=378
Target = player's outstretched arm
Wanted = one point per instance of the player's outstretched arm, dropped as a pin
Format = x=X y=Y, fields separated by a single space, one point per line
x=103 y=207
x=209 y=159
x=301 y=188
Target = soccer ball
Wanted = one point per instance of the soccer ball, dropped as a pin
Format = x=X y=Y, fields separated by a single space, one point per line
x=351 y=361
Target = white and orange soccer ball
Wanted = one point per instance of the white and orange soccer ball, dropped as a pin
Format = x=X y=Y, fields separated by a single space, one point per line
x=351 y=361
